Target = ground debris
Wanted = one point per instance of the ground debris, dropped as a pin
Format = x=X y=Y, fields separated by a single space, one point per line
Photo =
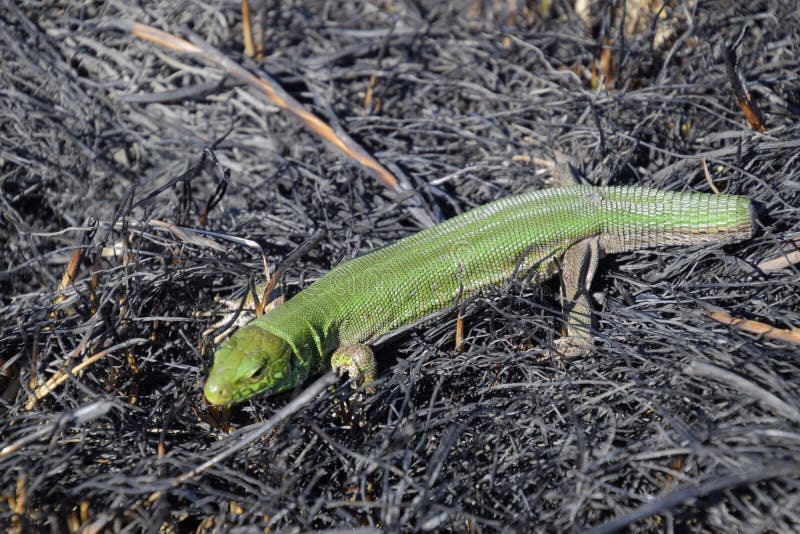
x=130 y=176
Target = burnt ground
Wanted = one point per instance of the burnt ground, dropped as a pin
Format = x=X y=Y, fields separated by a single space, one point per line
x=673 y=422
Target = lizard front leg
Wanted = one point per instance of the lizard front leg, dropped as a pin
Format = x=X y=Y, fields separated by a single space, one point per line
x=577 y=270
x=356 y=360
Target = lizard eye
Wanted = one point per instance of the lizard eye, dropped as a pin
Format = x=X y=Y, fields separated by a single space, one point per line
x=256 y=374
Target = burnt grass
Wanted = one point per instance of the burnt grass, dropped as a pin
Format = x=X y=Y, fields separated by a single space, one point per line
x=116 y=153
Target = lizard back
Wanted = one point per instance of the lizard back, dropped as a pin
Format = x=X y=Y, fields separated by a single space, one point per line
x=368 y=296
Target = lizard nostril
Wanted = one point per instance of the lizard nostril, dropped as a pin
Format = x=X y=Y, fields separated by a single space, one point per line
x=216 y=393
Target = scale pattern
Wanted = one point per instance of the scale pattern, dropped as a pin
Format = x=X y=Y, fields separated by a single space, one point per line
x=431 y=271
x=368 y=296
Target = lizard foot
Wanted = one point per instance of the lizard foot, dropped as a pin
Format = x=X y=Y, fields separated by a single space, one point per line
x=573 y=346
x=355 y=360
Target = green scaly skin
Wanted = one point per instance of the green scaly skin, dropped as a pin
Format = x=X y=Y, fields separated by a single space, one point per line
x=330 y=322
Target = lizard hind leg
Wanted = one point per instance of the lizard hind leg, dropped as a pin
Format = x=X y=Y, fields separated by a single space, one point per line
x=577 y=271
x=355 y=359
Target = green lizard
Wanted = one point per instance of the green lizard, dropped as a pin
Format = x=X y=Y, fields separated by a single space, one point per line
x=329 y=324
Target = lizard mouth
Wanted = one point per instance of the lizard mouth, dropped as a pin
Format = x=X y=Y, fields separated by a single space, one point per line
x=221 y=393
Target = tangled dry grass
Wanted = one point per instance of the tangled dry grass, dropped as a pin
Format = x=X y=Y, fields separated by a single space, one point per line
x=127 y=173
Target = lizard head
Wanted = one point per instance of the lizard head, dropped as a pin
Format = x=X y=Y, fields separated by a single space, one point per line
x=250 y=362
